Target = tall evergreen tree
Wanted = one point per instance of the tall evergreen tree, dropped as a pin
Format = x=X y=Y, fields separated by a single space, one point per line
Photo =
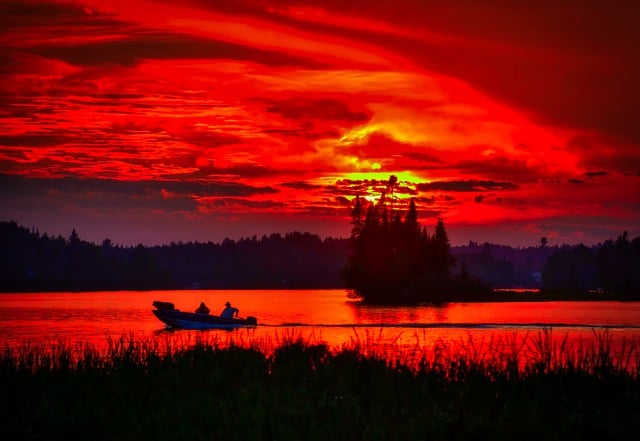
x=393 y=259
x=443 y=258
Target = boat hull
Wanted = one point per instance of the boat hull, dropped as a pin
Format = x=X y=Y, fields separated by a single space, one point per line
x=189 y=320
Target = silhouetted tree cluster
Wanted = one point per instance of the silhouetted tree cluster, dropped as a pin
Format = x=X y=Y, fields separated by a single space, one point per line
x=30 y=261
x=394 y=259
x=612 y=267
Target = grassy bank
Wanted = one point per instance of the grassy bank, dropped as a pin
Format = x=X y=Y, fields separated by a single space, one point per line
x=302 y=390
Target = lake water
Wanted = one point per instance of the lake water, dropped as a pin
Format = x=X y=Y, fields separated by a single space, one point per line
x=326 y=316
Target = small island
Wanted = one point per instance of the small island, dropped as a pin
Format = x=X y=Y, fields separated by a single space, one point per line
x=394 y=260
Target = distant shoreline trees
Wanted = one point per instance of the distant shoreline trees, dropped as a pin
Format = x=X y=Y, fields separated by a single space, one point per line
x=394 y=259
x=31 y=262
x=611 y=268
x=35 y=262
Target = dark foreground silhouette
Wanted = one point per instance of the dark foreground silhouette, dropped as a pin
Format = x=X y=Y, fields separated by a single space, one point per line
x=306 y=391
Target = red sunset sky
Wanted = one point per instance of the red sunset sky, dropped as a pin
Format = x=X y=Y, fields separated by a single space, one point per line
x=173 y=120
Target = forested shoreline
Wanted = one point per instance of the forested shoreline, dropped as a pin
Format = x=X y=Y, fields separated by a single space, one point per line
x=32 y=261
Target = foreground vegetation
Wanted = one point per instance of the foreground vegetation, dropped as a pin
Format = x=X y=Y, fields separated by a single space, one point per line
x=304 y=390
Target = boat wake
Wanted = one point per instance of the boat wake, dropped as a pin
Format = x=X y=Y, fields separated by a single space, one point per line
x=457 y=325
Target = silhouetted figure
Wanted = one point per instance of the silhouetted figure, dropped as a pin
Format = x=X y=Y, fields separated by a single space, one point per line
x=229 y=311
x=202 y=309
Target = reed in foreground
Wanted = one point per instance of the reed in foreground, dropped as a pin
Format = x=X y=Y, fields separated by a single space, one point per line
x=305 y=390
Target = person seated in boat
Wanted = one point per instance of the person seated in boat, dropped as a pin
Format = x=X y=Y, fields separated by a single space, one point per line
x=202 y=309
x=229 y=311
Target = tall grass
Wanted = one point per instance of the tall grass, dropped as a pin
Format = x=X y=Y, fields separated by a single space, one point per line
x=289 y=387
x=538 y=353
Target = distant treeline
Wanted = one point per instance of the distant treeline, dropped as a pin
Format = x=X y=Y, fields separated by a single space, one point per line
x=33 y=261
x=612 y=267
x=30 y=261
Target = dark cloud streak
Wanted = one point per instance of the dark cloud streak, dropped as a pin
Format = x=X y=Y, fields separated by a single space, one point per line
x=322 y=108
x=166 y=46
x=20 y=184
x=465 y=186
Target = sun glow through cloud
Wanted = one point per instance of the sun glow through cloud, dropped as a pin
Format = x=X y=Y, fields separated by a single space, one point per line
x=194 y=120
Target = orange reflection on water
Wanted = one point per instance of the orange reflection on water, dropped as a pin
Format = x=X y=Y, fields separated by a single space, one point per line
x=324 y=316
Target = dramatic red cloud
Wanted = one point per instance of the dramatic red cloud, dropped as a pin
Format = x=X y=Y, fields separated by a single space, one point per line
x=158 y=120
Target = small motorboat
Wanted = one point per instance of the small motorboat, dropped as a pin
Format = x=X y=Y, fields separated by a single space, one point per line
x=176 y=319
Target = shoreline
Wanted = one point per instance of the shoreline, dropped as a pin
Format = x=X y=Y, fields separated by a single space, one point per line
x=497 y=295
